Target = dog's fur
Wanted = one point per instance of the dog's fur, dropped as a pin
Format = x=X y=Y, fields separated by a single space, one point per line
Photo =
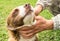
x=22 y=15
x=55 y=7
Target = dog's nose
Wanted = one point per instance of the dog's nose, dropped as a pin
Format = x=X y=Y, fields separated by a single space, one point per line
x=27 y=6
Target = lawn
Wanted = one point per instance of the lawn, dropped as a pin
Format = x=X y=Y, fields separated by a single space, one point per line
x=5 y=8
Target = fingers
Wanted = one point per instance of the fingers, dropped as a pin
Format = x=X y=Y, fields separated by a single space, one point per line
x=27 y=35
x=29 y=30
x=26 y=32
x=30 y=33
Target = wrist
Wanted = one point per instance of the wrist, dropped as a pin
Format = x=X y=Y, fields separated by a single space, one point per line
x=49 y=24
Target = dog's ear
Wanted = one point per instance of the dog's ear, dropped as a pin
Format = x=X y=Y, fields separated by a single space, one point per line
x=12 y=15
x=15 y=12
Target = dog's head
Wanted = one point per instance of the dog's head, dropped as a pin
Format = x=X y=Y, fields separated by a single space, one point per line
x=20 y=15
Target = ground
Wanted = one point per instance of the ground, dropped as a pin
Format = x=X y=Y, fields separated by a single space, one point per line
x=5 y=8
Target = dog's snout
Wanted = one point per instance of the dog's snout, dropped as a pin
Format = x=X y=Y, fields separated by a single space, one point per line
x=27 y=5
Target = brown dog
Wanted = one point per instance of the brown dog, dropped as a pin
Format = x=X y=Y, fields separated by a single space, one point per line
x=22 y=15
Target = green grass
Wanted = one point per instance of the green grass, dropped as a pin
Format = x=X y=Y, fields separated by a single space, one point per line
x=5 y=8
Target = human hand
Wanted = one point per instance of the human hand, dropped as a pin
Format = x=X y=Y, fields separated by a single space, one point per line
x=27 y=31
x=41 y=24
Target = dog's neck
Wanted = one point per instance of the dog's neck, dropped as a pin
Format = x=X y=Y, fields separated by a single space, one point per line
x=29 y=19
